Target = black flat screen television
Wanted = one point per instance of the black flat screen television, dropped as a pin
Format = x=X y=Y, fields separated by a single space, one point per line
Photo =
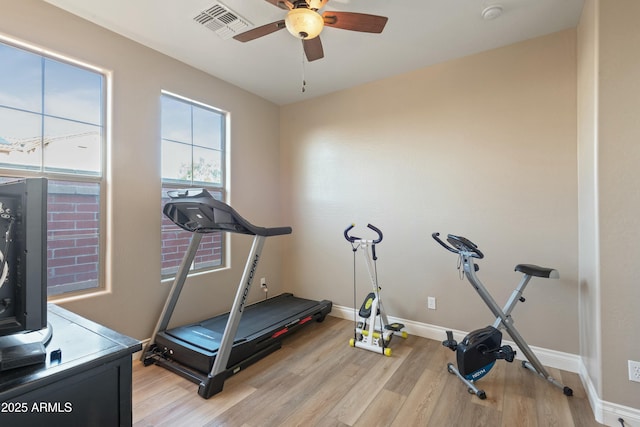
x=23 y=256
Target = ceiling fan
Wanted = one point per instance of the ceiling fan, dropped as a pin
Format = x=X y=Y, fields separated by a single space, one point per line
x=304 y=21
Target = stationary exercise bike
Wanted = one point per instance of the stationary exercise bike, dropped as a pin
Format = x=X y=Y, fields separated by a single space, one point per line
x=372 y=329
x=479 y=350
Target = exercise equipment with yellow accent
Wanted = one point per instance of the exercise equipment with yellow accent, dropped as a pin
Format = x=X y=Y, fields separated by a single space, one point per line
x=372 y=329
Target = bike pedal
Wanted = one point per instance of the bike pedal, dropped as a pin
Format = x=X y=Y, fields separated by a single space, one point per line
x=450 y=342
x=508 y=353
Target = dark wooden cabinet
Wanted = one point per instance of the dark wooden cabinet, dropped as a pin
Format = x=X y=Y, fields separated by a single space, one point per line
x=85 y=381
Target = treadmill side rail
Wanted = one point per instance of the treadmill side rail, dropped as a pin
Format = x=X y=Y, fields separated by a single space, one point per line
x=230 y=330
x=174 y=293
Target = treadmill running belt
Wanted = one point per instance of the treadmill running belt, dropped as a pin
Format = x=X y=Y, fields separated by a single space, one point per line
x=257 y=318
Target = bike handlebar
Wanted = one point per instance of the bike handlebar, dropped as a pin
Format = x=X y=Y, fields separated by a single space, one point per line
x=459 y=244
x=377 y=230
x=354 y=238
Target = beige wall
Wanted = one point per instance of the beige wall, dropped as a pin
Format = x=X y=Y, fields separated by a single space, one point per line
x=483 y=146
x=618 y=156
x=139 y=74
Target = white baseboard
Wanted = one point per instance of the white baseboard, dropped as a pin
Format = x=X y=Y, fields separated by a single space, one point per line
x=611 y=412
x=604 y=412
x=607 y=413
x=551 y=358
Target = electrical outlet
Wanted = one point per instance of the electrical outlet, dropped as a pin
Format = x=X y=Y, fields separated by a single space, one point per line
x=431 y=303
x=263 y=282
x=634 y=371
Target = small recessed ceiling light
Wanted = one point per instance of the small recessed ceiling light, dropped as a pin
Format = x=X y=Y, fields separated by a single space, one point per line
x=491 y=12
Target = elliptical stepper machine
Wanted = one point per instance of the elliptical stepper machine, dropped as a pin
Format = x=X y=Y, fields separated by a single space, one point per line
x=479 y=350
x=372 y=329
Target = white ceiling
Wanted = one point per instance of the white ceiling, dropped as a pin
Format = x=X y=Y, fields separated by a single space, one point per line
x=419 y=33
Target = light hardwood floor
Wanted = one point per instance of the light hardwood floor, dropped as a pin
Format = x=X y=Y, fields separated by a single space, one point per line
x=317 y=379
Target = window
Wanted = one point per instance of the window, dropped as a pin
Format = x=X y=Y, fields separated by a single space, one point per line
x=193 y=148
x=52 y=125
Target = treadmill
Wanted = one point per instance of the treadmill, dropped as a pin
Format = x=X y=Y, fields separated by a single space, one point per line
x=210 y=351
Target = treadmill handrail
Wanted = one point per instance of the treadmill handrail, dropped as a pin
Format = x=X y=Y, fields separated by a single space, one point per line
x=196 y=211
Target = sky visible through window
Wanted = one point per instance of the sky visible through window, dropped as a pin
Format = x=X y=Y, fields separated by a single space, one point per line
x=50 y=114
x=192 y=139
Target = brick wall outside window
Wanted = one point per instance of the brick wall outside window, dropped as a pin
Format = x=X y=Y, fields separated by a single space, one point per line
x=73 y=222
x=175 y=242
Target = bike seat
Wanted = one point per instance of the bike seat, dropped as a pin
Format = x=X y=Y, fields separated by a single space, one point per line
x=537 y=271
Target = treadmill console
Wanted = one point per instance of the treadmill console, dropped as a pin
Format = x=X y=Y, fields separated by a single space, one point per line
x=195 y=210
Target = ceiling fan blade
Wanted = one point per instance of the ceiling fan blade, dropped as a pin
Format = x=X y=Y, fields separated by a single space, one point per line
x=282 y=4
x=313 y=49
x=355 y=21
x=260 y=31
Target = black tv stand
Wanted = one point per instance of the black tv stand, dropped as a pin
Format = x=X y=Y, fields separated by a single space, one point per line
x=85 y=379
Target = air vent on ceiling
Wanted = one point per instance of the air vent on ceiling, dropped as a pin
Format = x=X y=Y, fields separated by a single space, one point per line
x=222 y=21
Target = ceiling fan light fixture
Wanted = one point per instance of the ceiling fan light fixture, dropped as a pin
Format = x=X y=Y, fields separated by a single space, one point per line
x=304 y=23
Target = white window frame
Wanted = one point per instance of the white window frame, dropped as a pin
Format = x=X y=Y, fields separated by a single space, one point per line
x=72 y=289
x=217 y=190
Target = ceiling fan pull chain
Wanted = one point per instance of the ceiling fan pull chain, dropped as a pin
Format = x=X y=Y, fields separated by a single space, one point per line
x=304 y=81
